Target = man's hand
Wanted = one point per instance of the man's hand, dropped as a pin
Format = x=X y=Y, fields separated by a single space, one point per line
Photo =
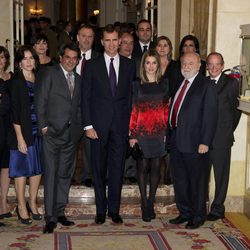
x=202 y=149
x=44 y=130
x=91 y=133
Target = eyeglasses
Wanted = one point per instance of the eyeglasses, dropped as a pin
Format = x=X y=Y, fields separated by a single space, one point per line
x=128 y=43
x=210 y=65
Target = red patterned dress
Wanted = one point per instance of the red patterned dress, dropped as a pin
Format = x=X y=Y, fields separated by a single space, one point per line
x=149 y=117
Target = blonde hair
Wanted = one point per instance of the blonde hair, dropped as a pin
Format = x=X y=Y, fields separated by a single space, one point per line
x=158 y=74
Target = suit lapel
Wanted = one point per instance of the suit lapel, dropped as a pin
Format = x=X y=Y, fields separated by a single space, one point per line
x=104 y=73
x=192 y=88
x=221 y=83
x=121 y=73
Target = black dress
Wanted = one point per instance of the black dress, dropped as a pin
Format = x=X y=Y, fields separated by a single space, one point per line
x=4 y=123
x=29 y=164
x=149 y=117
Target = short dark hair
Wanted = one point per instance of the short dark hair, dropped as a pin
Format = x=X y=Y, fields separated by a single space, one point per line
x=6 y=55
x=85 y=26
x=191 y=38
x=143 y=21
x=216 y=54
x=160 y=38
x=70 y=46
x=109 y=28
x=19 y=56
x=40 y=37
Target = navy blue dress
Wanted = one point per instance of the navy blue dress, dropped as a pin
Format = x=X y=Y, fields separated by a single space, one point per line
x=28 y=164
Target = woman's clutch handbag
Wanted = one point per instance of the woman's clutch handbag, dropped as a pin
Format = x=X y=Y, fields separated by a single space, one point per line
x=136 y=152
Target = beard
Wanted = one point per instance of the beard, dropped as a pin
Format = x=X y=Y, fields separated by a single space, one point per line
x=188 y=74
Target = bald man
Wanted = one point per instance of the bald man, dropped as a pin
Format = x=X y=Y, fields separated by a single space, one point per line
x=192 y=124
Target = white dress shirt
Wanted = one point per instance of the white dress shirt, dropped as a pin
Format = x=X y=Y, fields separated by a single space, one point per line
x=184 y=95
x=144 y=44
x=87 y=57
x=216 y=79
x=116 y=63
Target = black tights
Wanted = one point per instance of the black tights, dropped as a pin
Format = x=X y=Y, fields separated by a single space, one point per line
x=143 y=170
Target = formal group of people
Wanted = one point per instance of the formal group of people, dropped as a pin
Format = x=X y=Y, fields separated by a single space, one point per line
x=134 y=89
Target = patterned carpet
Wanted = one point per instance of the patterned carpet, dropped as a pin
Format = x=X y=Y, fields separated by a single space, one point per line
x=133 y=234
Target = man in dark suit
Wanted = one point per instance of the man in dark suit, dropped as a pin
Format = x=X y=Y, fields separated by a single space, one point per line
x=192 y=123
x=228 y=119
x=126 y=49
x=144 y=33
x=85 y=38
x=106 y=105
x=58 y=101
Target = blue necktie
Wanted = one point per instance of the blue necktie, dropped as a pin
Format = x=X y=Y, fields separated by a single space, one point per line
x=112 y=77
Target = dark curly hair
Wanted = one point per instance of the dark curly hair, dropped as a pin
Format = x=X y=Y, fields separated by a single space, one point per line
x=6 y=56
x=20 y=54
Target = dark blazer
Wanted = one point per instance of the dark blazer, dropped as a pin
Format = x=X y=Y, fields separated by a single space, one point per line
x=99 y=107
x=174 y=79
x=94 y=54
x=55 y=108
x=4 y=97
x=137 y=51
x=228 y=114
x=196 y=123
x=20 y=110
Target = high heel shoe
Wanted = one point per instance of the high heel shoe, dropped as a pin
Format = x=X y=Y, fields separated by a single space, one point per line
x=34 y=216
x=144 y=214
x=151 y=210
x=27 y=221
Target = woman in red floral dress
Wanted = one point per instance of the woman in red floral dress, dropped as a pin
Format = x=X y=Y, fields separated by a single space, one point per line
x=148 y=125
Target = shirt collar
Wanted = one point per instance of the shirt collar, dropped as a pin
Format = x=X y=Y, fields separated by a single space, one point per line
x=192 y=78
x=64 y=71
x=107 y=57
x=144 y=44
x=216 y=78
x=87 y=53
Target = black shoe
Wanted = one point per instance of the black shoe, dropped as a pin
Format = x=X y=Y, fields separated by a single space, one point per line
x=2 y=224
x=27 y=221
x=151 y=210
x=34 y=216
x=88 y=183
x=116 y=218
x=178 y=220
x=100 y=219
x=213 y=217
x=132 y=179
x=73 y=182
x=64 y=221
x=49 y=227
x=6 y=215
x=145 y=214
x=194 y=224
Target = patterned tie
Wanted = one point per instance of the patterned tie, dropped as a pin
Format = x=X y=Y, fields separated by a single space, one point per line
x=145 y=48
x=71 y=82
x=177 y=104
x=83 y=62
x=112 y=76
